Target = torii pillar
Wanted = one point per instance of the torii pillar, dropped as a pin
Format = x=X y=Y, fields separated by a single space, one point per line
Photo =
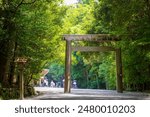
x=119 y=71
x=67 y=86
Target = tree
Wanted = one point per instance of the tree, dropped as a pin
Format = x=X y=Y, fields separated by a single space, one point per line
x=130 y=19
x=78 y=19
x=27 y=30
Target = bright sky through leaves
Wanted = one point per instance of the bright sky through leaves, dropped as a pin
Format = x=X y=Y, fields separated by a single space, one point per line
x=68 y=2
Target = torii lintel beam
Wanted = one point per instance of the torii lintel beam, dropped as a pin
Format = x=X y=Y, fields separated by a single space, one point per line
x=91 y=37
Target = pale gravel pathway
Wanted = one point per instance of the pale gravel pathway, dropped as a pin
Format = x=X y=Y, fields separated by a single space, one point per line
x=86 y=94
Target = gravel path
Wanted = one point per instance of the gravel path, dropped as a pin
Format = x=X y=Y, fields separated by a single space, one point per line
x=86 y=94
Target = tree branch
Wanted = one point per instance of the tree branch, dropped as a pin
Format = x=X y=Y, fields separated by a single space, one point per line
x=19 y=4
x=33 y=1
x=22 y=2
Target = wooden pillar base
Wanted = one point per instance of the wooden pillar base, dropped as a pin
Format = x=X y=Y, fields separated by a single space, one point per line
x=119 y=71
x=21 y=85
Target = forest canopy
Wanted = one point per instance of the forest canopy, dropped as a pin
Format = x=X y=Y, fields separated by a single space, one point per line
x=33 y=29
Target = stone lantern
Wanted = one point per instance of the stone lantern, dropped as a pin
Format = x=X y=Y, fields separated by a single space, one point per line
x=21 y=61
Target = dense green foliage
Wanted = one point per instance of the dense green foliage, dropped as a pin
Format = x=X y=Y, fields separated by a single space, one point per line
x=30 y=29
x=130 y=19
x=33 y=29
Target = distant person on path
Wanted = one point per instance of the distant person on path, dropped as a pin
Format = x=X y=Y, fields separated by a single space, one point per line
x=52 y=84
x=74 y=84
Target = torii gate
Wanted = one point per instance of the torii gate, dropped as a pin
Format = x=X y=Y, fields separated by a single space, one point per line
x=91 y=37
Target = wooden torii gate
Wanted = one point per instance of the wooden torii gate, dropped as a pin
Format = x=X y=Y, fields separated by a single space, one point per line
x=91 y=37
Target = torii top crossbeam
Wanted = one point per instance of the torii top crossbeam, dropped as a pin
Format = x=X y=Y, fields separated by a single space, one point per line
x=91 y=37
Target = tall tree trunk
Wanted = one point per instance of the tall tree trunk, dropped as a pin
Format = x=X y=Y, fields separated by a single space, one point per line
x=6 y=42
x=3 y=63
x=12 y=65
